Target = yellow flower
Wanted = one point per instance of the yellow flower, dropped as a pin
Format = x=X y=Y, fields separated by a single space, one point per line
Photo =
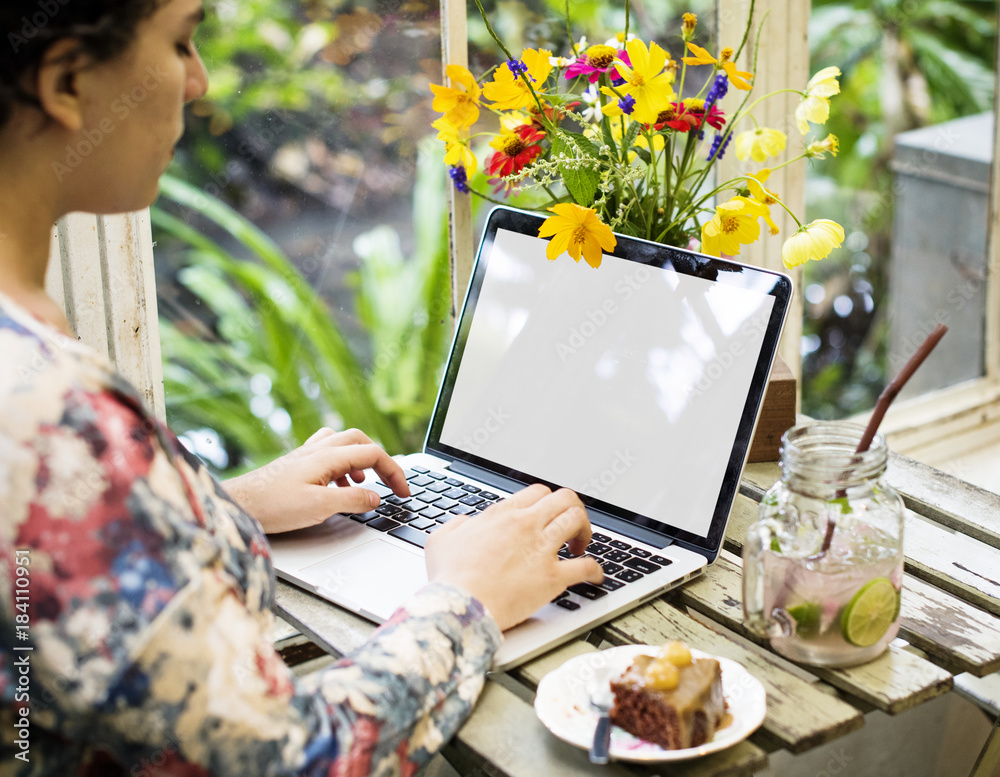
x=576 y=230
x=760 y=143
x=460 y=107
x=687 y=28
x=819 y=148
x=813 y=241
x=736 y=77
x=734 y=223
x=456 y=146
x=815 y=105
x=767 y=198
x=644 y=82
x=508 y=92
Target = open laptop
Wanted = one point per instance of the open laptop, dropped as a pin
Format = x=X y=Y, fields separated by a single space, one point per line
x=636 y=384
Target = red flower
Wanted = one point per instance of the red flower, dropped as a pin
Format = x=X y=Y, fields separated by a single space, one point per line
x=514 y=149
x=677 y=118
x=689 y=115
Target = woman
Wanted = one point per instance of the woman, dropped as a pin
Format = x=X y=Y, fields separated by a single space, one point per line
x=140 y=587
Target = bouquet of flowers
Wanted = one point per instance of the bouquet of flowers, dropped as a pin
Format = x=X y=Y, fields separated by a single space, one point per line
x=622 y=148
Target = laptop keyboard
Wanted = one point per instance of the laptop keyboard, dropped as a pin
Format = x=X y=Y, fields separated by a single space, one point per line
x=622 y=564
x=435 y=498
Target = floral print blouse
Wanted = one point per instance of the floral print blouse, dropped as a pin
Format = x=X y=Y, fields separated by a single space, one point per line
x=135 y=606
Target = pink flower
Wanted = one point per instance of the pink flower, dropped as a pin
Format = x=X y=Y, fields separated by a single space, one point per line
x=596 y=60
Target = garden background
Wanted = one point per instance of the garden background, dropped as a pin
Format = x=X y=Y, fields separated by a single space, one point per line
x=302 y=266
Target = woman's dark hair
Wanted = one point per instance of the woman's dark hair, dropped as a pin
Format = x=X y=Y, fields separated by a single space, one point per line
x=103 y=28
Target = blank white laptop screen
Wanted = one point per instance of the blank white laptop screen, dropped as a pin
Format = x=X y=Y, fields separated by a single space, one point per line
x=649 y=368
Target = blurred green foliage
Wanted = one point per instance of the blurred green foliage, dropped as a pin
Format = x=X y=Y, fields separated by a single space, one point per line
x=269 y=323
x=340 y=89
x=261 y=55
x=905 y=64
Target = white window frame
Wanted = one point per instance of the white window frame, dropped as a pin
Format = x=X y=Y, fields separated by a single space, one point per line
x=101 y=271
x=783 y=62
x=102 y=268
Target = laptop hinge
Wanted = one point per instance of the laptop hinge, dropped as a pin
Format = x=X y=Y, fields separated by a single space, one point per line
x=484 y=475
x=639 y=533
x=597 y=517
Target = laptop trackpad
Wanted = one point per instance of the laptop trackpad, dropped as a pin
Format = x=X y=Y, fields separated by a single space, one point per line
x=374 y=578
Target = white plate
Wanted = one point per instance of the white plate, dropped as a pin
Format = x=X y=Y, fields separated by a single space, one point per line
x=562 y=703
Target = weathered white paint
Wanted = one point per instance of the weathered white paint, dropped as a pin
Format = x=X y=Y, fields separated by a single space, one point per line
x=993 y=259
x=455 y=51
x=101 y=271
x=782 y=66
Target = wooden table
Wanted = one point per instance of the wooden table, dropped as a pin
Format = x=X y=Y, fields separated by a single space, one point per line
x=950 y=627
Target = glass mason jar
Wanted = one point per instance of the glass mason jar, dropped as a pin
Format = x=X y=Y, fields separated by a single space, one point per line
x=823 y=564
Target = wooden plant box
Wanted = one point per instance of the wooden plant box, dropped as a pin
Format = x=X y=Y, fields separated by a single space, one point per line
x=776 y=416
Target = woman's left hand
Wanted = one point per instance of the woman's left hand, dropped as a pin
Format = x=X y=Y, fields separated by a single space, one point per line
x=294 y=492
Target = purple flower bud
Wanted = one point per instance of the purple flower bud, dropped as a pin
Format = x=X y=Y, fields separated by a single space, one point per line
x=517 y=67
x=717 y=92
x=718 y=146
x=458 y=175
x=627 y=104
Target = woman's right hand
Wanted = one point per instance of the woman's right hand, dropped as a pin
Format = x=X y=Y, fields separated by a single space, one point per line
x=506 y=556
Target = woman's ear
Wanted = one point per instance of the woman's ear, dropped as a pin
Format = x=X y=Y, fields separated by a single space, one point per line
x=56 y=85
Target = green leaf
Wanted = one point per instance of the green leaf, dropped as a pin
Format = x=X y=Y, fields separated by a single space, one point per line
x=580 y=182
x=631 y=134
x=585 y=144
x=609 y=139
x=582 y=185
x=562 y=99
x=643 y=154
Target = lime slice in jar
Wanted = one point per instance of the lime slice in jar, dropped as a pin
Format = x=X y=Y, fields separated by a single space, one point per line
x=806 y=617
x=870 y=612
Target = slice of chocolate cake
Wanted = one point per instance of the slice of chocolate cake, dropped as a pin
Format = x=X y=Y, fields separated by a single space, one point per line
x=671 y=700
